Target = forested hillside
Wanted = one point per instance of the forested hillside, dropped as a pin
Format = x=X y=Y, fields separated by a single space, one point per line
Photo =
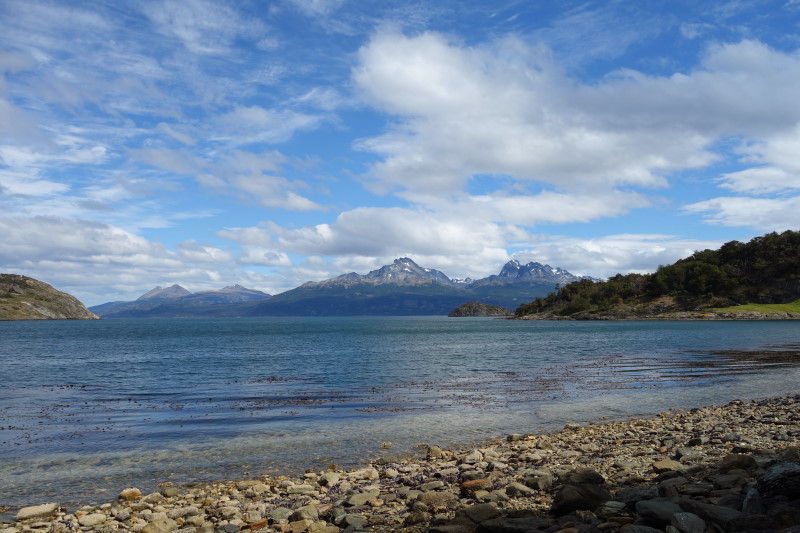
x=765 y=270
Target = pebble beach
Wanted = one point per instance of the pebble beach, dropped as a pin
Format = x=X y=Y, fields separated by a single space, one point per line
x=718 y=468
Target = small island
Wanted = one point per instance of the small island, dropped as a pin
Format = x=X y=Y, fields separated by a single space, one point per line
x=479 y=309
x=24 y=298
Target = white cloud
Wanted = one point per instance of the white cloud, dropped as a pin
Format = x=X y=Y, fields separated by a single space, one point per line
x=613 y=254
x=254 y=124
x=203 y=27
x=123 y=265
x=505 y=109
x=767 y=214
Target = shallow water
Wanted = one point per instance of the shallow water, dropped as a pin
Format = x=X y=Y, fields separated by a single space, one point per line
x=88 y=408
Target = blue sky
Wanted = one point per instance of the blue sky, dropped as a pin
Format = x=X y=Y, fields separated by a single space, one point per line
x=269 y=143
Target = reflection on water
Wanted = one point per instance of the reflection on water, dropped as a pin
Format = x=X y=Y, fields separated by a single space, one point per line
x=247 y=409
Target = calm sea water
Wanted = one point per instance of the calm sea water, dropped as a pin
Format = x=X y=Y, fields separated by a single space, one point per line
x=88 y=408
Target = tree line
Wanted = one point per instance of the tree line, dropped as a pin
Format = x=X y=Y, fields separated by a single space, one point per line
x=763 y=270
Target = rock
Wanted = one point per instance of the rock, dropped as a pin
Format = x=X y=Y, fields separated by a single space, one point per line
x=714 y=514
x=574 y=497
x=93 y=519
x=362 y=498
x=781 y=478
x=437 y=498
x=473 y=457
x=516 y=525
x=130 y=494
x=611 y=508
x=154 y=497
x=170 y=492
x=583 y=476
x=307 y=512
x=328 y=479
x=657 y=513
x=480 y=512
x=518 y=490
x=737 y=461
x=470 y=487
x=688 y=523
x=300 y=526
x=162 y=525
x=37 y=511
x=433 y=485
x=281 y=513
x=665 y=465
x=752 y=503
x=539 y=481
x=301 y=489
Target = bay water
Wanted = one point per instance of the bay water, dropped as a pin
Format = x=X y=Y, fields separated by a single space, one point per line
x=88 y=408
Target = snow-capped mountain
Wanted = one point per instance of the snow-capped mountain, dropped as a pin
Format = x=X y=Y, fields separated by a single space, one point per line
x=515 y=272
x=402 y=271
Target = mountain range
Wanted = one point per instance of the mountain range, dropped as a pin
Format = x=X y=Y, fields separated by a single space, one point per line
x=401 y=288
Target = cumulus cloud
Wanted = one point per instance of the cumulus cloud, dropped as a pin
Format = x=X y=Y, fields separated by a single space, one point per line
x=767 y=214
x=122 y=264
x=507 y=109
x=613 y=254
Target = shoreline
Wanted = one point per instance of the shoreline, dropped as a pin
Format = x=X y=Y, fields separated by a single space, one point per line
x=688 y=316
x=675 y=457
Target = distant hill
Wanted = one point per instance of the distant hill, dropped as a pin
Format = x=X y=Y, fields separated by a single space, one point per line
x=765 y=270
x=24 y=298
x=400 y=288
x=176 y=301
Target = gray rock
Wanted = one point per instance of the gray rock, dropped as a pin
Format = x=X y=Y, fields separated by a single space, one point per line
x=688 y=523
x=37 y=511
x=362 y=498
x=154 y=497
x=752 y=503
x=307 y=512
x=433 y=485
x=574 y=497
x=518 y=490
x=480 y=512
x=92 y=519
x=472 y=458
x=715 y=514
x=611 y=508
x=515 y=524
x=539 y=482
x=657 y=513
x=329 y=479
x=281 y=513
x=161 y=525
x=781 y=478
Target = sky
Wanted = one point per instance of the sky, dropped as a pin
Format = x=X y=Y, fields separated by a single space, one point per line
x=270 y=143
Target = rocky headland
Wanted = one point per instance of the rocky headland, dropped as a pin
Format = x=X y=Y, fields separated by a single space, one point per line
x=714 y=469
x=24 y=298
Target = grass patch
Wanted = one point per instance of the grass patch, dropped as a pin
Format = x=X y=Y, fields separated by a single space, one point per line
x=791 y=307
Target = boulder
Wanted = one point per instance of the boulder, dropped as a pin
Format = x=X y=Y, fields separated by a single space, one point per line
x=578 y=497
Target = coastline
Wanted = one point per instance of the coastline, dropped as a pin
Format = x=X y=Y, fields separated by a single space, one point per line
x=708 y=462
x=674 y=316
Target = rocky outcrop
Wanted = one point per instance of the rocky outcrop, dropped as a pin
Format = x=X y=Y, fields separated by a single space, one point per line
x=479 y=309
x=24 y=298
